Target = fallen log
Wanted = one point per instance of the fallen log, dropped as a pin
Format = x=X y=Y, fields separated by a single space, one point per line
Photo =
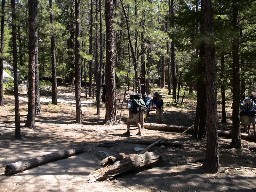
x=123 y=163
x=165 y=127
x=23 y=165
x=166 y=142
x=181 y=129
x=228 y=135
x=110 y=160
x=151 y=146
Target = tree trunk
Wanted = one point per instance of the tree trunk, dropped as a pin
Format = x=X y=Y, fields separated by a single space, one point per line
x=90 y=49
x=236 y=132
x=173 y=63
x=2 y=53
x=132 y=49
x=136 y=52
x=116 y=165
x=143 y=63
x=163 y=60
x=179 y=84
x=77 y=63
x=33 y=12
x=223 y=90
x=53 y=59
x=211 y=163
x=97 y=65
x=101 y=44
x=168 y=70
x=19 y=166
x=37 y=82
x=70 y=43
x=15 y=71
x=200 y=119
x=20 y=46
x=110 y=62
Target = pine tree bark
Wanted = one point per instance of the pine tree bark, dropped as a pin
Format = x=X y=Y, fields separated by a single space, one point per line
x=110 y=62
x=143 y=62
x=211 y=163
x=53 y=58
x=223 y=90
x=173 y=63
x=163 y=63
x=37 y=82
x=90 y=49
x=97 y=64
x=2 y=52
x=70 y=43
x=132 y=48
x=77 y=63
x=201 y=110
x=236 y=132
x=33 y=12
x=101 y=44
x=15 y=71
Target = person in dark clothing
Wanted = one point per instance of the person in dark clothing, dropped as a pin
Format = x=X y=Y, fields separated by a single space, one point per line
x=247 y=113
x=136 y=106
x=158 y=105
x=148 y=103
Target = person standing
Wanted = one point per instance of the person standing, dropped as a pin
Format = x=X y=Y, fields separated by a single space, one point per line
x=158 y=105
x=136 y=106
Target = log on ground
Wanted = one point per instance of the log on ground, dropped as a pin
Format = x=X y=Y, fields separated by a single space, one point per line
x=124 y=163
x=165 y=142
x=228 y=135
x=23 y=165
x=165 y=127
x=181 y=129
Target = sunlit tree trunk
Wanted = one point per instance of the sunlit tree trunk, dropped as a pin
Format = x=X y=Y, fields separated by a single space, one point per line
x=163 y=63
x=70 y=42
x=53 y=58
x=97 y=64
x=77 y=63
x=101 y=43
x=110 y=62
x=33 y=12
x=2 y=52
x=15 y=71
x=37 y=82
x=143 y=62
x=90 y=49
x=172 y=52
x=132 y=48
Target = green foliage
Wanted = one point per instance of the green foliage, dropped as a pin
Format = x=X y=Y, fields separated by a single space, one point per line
x=8 y=83
x=149 y=19
x=8 y=86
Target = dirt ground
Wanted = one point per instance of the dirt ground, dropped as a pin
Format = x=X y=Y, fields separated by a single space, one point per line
x=56 y=130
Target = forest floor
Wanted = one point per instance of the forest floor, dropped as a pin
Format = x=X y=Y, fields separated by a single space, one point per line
x=56 y=130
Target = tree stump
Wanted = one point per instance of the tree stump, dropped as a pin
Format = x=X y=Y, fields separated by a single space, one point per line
x=116 y=165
